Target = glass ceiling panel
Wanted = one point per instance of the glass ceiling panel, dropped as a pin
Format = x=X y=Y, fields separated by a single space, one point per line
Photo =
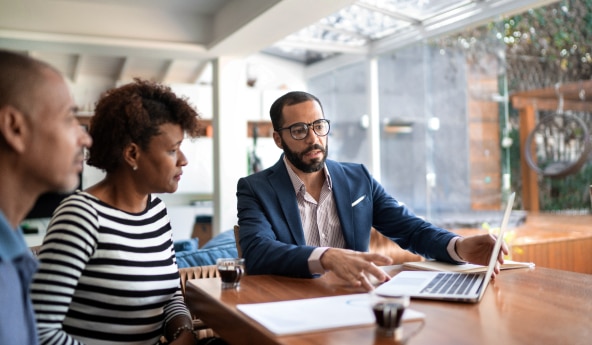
x=362 y=24
x=358 y=25
x=418 y=9
x=354 y=28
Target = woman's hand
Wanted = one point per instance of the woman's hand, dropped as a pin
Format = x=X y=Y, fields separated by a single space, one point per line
x=186 y=337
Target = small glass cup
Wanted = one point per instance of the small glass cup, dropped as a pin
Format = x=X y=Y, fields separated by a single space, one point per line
x=388 y=313
x=231 y=271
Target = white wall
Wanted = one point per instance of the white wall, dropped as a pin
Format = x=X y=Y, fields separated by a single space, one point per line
x=274 y=78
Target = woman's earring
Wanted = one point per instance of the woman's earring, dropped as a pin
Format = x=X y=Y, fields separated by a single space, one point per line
x=134 y=168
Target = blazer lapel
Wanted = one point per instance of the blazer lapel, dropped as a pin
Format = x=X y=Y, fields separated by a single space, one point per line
x=343 y=199
x=281 y=183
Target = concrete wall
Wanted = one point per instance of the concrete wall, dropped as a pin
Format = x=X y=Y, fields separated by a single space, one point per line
x=423 y=159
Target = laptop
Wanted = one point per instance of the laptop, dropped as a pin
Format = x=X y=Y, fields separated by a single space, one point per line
x=447 y=286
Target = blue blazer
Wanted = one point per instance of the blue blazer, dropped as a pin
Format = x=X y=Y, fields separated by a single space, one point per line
x=271 y=234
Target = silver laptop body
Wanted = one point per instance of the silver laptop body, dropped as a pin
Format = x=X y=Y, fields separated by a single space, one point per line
x=447 y=286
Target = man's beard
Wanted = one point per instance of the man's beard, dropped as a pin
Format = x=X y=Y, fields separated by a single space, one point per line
x=296 y=158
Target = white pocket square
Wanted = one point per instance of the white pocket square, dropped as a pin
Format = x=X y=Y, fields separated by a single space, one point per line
x=359 y=200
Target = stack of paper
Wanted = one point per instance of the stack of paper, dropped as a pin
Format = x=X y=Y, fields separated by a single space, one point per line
x=314 y=314
x=431 y=265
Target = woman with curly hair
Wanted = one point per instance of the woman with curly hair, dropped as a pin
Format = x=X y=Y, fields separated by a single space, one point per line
x=107 y=271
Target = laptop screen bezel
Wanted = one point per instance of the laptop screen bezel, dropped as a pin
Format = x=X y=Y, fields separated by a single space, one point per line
x=498 y=244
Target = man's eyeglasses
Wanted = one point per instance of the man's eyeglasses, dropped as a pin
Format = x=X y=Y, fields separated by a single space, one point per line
x=299 y=130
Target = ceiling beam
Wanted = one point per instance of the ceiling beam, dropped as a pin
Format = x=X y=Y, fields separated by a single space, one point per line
x=75 y=73
x=97 y=45
x=318 y=46
x=386 y=12
x=122 y=69
x=166 y=71
x=273 y=24
x=198 y=73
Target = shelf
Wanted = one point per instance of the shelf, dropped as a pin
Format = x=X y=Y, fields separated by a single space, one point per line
x=84 y=118
x=265 y=129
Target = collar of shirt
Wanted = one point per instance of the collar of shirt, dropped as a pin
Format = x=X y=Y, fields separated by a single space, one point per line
x=12 y=242
x=297 y=182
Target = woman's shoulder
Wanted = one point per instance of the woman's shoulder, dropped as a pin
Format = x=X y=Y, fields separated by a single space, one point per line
x=79 y=202
x=81 y=196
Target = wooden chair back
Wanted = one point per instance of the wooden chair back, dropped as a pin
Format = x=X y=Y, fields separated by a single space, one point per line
x=385 y=246
x=197 y=272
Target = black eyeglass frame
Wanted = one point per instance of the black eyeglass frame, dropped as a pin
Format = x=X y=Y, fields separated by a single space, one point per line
x=307 y=126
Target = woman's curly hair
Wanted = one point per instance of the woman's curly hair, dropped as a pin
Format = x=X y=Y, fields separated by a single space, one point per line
x=133 y=113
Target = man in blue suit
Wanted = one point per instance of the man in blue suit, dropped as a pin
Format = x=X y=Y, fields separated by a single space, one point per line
x=307 y=215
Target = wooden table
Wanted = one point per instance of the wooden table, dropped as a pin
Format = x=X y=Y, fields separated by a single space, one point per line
x=522 y=306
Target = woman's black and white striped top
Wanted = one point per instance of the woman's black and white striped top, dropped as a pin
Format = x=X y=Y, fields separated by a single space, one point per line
x=106 y=276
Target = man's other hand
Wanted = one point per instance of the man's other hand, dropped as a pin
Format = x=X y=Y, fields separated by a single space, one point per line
x=356 y=267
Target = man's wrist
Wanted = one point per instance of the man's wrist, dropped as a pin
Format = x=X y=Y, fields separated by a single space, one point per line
x=456 y=249
x=452 y=249
x=314 y=260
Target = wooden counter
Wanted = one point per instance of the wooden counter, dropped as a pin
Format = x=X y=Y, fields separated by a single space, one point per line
x=554 y=241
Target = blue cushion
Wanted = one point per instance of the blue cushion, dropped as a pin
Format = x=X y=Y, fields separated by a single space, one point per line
x=186 y=245
x=221 y=246
x=222 y=238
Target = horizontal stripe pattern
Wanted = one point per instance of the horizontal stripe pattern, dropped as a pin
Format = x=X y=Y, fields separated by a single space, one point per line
x=106 y=276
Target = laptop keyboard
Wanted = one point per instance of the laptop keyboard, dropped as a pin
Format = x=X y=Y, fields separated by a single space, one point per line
x=452 y=283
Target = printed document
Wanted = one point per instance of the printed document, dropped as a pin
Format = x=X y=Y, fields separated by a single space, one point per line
x=315 y=314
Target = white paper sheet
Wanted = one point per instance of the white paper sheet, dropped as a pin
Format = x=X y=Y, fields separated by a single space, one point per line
x=314 y=314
